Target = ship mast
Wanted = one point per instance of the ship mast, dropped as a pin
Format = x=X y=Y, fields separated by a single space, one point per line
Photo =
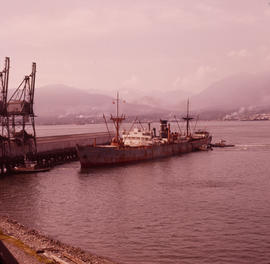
x=117 y=120
x=187 y=118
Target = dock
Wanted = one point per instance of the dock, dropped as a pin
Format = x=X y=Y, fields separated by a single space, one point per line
x=51 y=150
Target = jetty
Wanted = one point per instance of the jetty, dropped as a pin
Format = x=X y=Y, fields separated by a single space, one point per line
x=51 y=150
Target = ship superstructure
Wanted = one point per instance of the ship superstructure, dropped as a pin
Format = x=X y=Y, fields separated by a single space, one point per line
x=137 y=137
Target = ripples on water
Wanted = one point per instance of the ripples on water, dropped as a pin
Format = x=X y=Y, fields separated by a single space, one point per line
x=204 y=207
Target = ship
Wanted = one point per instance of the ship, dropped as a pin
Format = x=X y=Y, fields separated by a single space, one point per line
x=222 y=144
x=142 y=144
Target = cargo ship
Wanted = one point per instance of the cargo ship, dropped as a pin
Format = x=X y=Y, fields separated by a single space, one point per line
x=143 y=144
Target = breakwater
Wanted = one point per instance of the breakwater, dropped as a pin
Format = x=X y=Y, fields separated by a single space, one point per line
x=19 y=244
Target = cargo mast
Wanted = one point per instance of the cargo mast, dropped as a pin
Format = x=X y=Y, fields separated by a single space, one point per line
x=187 y=118
x=117 y=120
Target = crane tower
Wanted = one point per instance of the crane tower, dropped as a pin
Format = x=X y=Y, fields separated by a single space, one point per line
x=21 y=114
x=4 y=137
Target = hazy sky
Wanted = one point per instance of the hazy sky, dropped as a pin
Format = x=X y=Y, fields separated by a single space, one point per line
x=143 y=45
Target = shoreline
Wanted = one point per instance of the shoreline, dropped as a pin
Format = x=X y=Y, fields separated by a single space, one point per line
x=34 y=247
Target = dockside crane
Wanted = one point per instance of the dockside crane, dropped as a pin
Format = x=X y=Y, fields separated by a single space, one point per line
x=20 y=110
x=5 y=135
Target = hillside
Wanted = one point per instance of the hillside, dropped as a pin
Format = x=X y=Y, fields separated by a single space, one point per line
x=62 y=100
x=242 y=92
x=231 y=93
x=166 y=99
x=234 y=92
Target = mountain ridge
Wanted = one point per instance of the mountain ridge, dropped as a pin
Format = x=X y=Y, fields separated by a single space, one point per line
x=62 y=100
x=226 y=95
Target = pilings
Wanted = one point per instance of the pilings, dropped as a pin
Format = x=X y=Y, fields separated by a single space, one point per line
x=56 y=157
x=43 y=159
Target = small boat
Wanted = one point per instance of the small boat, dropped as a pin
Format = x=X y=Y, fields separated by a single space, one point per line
x=204 y=147
x=221 y=144
x=29 y=167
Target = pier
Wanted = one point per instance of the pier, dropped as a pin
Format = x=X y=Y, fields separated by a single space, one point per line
x=51 y=150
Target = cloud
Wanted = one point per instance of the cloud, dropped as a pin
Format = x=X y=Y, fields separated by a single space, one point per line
x=267 y=12
x=209 y=8
x=131 y=82
x=267 y=57
x=97 y=20
x=76 y=23
x=198 y=80
x=243 y=53
x=161 y=41
x=177 y=82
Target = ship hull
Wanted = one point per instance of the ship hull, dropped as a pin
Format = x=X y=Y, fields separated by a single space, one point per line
x=91 y=156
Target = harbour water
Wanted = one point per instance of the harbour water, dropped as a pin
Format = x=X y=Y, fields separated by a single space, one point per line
x=203 y=207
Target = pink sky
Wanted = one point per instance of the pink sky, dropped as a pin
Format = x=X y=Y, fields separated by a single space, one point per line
x=144 y=46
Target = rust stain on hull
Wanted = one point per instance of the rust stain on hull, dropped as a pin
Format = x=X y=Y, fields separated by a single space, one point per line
x=91 y=156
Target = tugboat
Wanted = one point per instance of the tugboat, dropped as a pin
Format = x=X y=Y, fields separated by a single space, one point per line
x=140 y=145
x=222 y=144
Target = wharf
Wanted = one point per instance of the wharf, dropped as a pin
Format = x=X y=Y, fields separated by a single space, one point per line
x=51 y=143
x=51 y=150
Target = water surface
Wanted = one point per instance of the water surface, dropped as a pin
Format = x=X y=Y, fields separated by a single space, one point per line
x=203 y=207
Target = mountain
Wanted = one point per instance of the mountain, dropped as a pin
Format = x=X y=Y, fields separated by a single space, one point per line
x=234 y=92
x=164 y=99
x=239 y=92
x=62 y=100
